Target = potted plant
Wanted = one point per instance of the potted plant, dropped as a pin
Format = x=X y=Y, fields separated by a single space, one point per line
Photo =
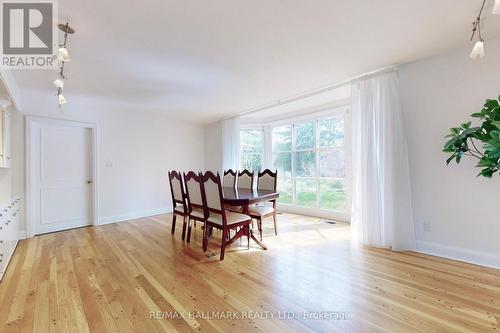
x=481 y=143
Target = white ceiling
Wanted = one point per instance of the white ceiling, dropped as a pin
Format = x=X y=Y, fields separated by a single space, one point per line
x=203 y=60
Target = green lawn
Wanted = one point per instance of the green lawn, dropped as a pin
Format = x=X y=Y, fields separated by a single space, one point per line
x=306 y=199
x=328 y=200
x=331 y=192
x=333 y=201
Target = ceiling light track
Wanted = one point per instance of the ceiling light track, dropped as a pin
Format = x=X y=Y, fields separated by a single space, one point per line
x=478 y=49
x=63 y=57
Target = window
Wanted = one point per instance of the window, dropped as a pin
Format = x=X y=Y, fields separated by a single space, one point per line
x=309 y=157
x=251 y=151
x=282 y=161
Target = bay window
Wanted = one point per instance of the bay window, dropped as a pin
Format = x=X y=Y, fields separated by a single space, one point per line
x=309 y=154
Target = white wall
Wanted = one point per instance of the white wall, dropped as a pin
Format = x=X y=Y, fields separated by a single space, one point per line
x=141 y=147
x=461 y=209
x=213 y=147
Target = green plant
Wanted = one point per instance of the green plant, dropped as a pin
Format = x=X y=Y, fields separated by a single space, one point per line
x=464 y=140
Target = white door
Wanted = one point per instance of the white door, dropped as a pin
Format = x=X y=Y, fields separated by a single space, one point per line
x=61 y=176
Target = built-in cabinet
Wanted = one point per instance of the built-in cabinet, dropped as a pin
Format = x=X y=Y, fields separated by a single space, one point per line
x=9 y=231
x=5 y=157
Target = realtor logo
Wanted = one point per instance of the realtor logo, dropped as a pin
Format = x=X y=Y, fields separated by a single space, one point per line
x=29 y=34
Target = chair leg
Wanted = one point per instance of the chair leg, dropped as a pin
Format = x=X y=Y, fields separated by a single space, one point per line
x=205 y=239
x=275 y=225
x=223 y=245
x=247 y=228
x=259 y=225
x=189 y=230
x=173 y=222
x=184 y=228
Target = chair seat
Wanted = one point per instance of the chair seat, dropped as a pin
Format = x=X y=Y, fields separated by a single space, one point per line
x=260 y=210
x=197 y=213
x=179 y=209
x=231 y=218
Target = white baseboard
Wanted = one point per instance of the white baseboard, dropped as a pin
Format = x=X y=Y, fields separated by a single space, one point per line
x=460 y=254
x=22 y=234
x=134 y=215
x=315 y=212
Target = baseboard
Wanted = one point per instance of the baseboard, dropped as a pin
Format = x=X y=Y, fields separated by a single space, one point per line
x=134 y=215
x=460 y=254
x=315 y=212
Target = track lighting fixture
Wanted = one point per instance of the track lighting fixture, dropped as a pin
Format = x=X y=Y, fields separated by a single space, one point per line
x=63 y=57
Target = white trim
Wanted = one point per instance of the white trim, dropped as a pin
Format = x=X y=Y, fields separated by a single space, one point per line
x=316 y=212
x=459 y=253
x=4 y=104
x=135 y=215
x=12 y=88
x=30 y=121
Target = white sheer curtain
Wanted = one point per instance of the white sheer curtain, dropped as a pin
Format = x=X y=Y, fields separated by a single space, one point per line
x=381 y=200
x=230 y=143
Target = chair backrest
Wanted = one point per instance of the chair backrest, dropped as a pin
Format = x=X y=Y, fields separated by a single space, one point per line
x=177 y=190
x=193 y=190
x=229 y=178
x=267 y=180
x=245 y=179
x=212 y=195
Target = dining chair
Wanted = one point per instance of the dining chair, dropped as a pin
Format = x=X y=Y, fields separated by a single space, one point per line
x=178 y=200
x=196 y=211
x=217 y=216
x=266 y=180
x=229 y=178
x=245 y=179
x=236 y=180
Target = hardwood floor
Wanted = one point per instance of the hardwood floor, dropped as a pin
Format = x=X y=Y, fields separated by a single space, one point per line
x=114 y=278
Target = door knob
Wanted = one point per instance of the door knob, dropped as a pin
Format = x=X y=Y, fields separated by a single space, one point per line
x=89 y=182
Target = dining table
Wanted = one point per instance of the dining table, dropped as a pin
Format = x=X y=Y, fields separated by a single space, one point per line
x=244 y=198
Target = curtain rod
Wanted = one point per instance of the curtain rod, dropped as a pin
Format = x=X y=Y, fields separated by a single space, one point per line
x=312 y=92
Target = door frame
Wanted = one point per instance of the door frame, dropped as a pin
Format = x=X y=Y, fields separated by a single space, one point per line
x=30 y=122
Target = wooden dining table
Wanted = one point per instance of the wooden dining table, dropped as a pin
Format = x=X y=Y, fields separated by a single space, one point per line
x=245 y=198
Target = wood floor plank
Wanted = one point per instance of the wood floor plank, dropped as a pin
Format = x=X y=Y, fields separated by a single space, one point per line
x=136 y=276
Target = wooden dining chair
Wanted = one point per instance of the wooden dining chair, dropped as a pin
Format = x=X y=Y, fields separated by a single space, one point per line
x=245 y=179
x=196 y=211
x=217 y=216
x=229 y=178
x=266 y=180
x=179 y=206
